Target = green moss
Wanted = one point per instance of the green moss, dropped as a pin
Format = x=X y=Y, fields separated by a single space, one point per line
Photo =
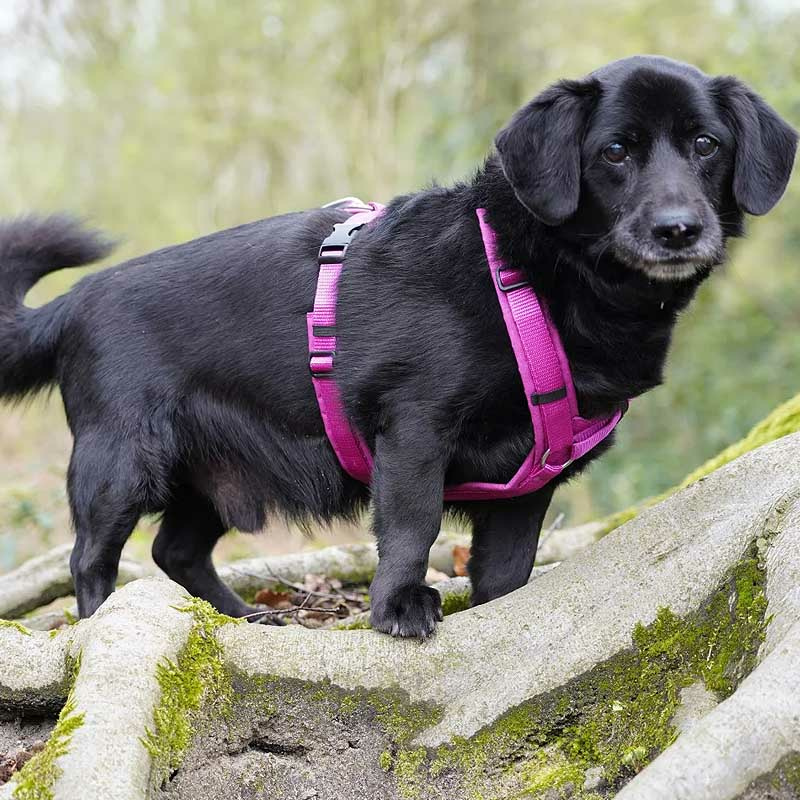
x=408 y=770
x=348 y=705
x=550 y=770
x=356 y=625
x=196 y=678
x=453 y=602
x=8 y=623
x=781 y=422
x=790 y=769
x=399 y=717
x=619 y=715
x=385 y=760
x=35 y=781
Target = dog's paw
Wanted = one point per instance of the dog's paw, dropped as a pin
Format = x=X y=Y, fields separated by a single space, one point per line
x=411 y=610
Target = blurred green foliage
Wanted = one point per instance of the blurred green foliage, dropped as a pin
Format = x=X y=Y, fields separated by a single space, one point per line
x=165 y=119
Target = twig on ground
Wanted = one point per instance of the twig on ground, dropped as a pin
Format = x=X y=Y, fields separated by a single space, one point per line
x=298 y=587
x=548 y=532
x=295 y=609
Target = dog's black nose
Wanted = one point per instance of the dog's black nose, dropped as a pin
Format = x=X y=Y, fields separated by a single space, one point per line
x=676 y=228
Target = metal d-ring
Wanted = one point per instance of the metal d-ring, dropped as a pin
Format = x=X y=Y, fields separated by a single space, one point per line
x=544 y=463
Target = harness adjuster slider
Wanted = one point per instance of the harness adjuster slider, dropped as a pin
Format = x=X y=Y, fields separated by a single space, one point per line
x=321 y=370
x=543 y=398
x=508 y=287
x=331 y=253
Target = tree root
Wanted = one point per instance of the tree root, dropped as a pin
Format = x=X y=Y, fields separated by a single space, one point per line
x=501 y=702
x=46 y=578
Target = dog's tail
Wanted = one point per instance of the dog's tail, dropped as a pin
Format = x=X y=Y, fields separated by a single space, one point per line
x=30 y=248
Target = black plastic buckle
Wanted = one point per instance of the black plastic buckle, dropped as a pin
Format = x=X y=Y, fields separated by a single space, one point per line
x=321 y=353
x=335 y=245
x=508 y=287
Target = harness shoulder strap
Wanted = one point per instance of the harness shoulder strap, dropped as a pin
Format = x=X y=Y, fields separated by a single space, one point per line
x=350 y=449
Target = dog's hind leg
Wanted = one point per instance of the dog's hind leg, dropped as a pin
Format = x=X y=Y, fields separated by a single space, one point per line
x=505 y=534
x=189 y=530
x=105 y=493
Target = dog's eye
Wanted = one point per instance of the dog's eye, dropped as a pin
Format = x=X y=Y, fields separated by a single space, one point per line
x=706 y=146
x=615 y=153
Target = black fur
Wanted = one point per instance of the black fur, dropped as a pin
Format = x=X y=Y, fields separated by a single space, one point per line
x=30 y=248
x=184 y=373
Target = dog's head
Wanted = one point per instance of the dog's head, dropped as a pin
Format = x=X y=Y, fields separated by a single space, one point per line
x=650 y=160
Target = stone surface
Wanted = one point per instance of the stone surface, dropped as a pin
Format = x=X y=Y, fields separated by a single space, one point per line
x=567 y=542
x=33 y=668
x=593 y=779
x=20 y=731
x=117 y=689
x=782 y=783
x=291 y=756
x=696 y=702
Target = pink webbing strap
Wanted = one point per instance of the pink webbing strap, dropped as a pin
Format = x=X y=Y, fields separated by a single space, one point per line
x=560 y=435
x=353 y=454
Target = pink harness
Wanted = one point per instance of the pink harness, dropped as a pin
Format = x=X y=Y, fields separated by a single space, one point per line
x=560 y=435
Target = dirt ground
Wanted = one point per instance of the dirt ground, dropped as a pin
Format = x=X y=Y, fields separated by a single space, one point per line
x=20 y=738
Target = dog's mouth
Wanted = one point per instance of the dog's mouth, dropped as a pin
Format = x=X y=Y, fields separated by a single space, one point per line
x=668 y=265
x=672 y=268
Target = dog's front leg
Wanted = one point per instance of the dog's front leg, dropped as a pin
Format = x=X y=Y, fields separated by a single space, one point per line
x=408 y=486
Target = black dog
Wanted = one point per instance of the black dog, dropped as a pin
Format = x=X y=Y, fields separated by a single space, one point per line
x=185 y=378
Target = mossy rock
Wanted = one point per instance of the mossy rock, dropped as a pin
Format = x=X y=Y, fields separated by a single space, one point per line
x=783 y=421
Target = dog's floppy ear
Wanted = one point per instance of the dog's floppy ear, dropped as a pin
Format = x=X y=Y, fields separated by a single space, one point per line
x=540 y=149
x=765 y=146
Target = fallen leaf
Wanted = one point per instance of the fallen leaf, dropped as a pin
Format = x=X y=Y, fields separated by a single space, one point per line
x=273 y=599
x=10 y=763
x=460 y=559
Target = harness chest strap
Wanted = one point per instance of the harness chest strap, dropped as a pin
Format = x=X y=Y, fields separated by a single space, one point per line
x=560 y=434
